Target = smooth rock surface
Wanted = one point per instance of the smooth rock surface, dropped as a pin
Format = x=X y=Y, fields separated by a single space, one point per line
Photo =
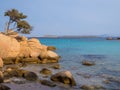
x=64 y=77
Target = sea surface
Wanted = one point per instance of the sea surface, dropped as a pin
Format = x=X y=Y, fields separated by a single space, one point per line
x=105 y=54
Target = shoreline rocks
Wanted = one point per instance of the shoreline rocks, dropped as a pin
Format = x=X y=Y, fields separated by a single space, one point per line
x=64 y=77
x=21 y=49
x=18 y=50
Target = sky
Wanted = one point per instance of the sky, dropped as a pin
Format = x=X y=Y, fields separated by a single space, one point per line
x=67 y=17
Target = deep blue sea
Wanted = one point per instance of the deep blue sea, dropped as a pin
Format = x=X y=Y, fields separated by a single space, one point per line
x=105 y=53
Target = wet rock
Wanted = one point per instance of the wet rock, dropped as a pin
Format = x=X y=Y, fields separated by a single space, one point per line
x=23 y=64
x=30 y=60
x=46 y=71
x=13 y=72
x=43 y=61
x=19 y=81
x=4 y=87
x=87 y=87
x=51 y=48
x=92 y=87
x=1 y=77
x=10 y=74
x=1 y=80
x=9 y=60
x=48 y=83
x=31 y=76
x=64 y=77
x=88 y=63
x=7 y=80
x=56 y=66
x=13 y=67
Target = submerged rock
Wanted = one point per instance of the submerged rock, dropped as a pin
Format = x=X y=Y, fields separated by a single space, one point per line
x=46 y=71
x=48 y=83
x=88 y=63
x=92 y=87
x=87 y=87
x=31 y=76
x=56 y=66
x=64 y=77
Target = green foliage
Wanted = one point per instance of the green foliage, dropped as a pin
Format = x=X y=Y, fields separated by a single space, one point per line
x=17 y=18
x=24 y=27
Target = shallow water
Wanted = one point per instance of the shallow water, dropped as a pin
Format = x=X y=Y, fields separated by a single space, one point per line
x=105 y=53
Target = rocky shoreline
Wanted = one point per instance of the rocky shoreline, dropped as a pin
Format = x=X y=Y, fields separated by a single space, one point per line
x=26 y=64
x=18 y=52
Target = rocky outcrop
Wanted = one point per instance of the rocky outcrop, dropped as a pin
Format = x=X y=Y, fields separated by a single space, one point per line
x=64 y=77
x=21 y=49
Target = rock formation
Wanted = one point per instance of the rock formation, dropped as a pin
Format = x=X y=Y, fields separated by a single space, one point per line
x=20 y=49
x=64 y=77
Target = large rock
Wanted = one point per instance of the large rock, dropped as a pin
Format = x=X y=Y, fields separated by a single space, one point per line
x=30 y=48
x=64 y=77
x=52 y=56
x=31 y=76
x=9 y=46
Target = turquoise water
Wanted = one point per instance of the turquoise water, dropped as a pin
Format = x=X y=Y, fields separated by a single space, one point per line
x=105 y=53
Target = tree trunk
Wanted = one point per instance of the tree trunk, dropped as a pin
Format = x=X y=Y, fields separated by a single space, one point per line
x=7 y=25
